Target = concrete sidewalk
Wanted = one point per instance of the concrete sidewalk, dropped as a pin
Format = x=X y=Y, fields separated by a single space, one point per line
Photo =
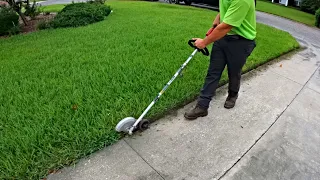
x=272 y=133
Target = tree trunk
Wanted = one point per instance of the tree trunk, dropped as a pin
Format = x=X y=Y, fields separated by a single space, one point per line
x=23 y=18
x=18 y=9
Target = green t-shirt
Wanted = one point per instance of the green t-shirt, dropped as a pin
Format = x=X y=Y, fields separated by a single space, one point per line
x=241 y=15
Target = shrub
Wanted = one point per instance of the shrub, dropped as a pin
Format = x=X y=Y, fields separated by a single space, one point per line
x=80 y=14
x=318 y=18
x=9 y=21
x=43 y=25
x=14 y=30
x=310 y=6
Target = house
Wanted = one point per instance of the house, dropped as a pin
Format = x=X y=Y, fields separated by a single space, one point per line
x=288 y=2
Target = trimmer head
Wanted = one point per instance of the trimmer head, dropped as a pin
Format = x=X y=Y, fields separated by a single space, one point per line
x=125 y=124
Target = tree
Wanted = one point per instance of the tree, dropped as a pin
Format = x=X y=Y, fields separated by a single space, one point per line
x=17 y=6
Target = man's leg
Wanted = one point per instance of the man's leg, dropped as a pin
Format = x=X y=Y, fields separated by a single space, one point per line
x=237 y=53
x=216 y=67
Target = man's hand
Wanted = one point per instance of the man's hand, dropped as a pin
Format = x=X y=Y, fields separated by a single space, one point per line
x=220 y=31
x=199 y=43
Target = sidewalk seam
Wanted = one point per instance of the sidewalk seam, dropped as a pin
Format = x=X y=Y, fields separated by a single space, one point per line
x=256 y=141
x=288 y=78
x=313 y=90
x=318 y=69
x=143 y=159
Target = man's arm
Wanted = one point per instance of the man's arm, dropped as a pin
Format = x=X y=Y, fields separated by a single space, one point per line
x=234 y=17
x=220 y=31
x=217 y=20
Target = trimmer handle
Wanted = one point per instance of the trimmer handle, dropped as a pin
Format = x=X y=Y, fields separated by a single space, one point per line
x=211 y=29
x=205 y=50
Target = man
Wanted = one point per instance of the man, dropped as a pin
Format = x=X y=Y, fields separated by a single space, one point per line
x=234 y=40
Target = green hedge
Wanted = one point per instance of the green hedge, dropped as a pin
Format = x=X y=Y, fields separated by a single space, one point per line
x=318 y=18
x=310 y=6
x=9 y=21
x=78 y=14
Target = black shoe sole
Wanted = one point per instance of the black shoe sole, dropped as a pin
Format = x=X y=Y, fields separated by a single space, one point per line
x=229 y=107
x=195 y=117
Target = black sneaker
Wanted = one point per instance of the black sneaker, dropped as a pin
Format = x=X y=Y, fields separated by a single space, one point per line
x=231 y=101
x=195 y=113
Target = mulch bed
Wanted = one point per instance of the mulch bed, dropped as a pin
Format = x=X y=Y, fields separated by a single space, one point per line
x=33 y=23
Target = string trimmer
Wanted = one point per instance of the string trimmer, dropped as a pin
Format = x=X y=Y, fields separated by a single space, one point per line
x=130 y=124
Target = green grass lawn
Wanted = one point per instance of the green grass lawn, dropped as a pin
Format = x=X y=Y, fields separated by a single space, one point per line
x=52 y=8
x=286 y=12
x=63 y=91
